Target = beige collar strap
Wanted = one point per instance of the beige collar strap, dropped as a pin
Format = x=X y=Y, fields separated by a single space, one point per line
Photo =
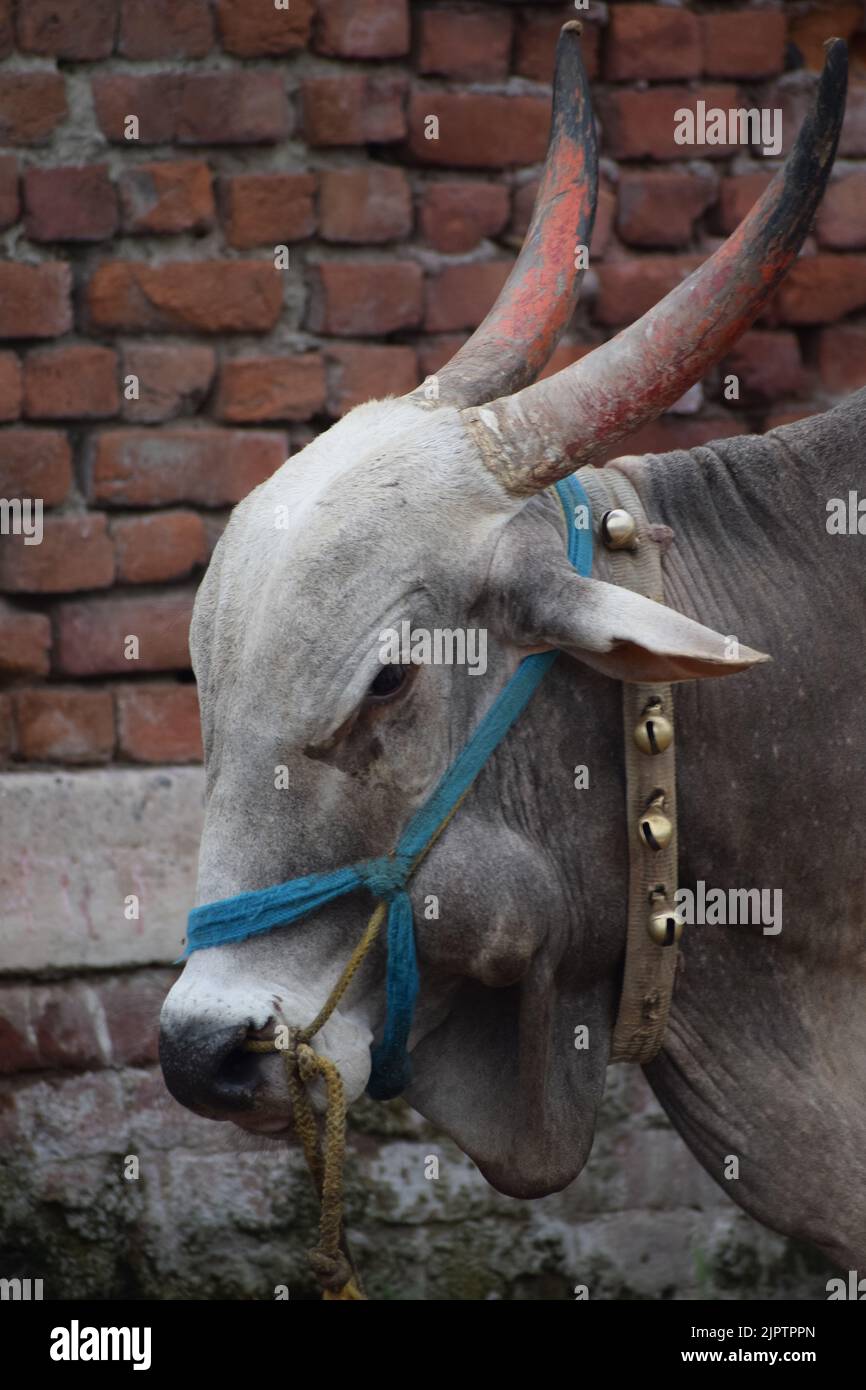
x=634 y=555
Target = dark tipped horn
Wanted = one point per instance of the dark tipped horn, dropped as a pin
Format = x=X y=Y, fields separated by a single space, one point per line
x=544 y=432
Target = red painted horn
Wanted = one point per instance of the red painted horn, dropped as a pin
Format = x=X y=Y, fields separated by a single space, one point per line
x=542 y=433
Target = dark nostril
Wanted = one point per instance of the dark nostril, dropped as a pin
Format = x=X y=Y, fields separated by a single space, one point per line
x=206 y=1068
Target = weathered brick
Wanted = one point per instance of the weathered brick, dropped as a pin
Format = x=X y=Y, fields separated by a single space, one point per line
x=674 y=432
x=537 y=35
x=200 y=296
x=9 y=202
x=821 y=289
x=457 y=216
x=64 y=725
x=81 y=30
x=25 y=641
x=50 y=1027
x=262 y=30
x=165 y=29
x=480 y=130
x=158 y=723
x=32 y=106
x=252 y=389
x=652 y=42
x=92 y=633
x=171 y=196
x=471 y=47
x=354 y=109
x=268 y=209
x=841 y=221
x=130 y=1004
x=35 y=300
x=359 y=297
x=363 y=28
x=75 y=553
x=171 y=381
x=369 y=204
x=10 y=387
x=768 y=366
x=232 y=108
x=737 y=196
x=70 y=204
x=154 y=99
x=810 y=27
x=35 y=463
x=660 y=207
x=210 y=467
x=363 y=372
x=154 y=549
x=641 y=125
x=460 y=296
x=628 y=288
x=743 y=43
x=7 y=29
x=70 y=382
x=842 y=358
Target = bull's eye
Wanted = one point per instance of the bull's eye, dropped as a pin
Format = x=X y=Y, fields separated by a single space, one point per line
x=388 y=683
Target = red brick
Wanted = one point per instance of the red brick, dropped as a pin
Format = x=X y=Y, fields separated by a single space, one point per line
x=564 y=355
x=478 y=130
x=768 y=366
x=363 y=28
x=7 y=34
x=433 y=353
x=358 y=297
x=641 y=125
x=537 y=34
x=10 y=386
x=198 y=296
x=154 y=99
x=271 y=388
x=821 y=289
x=461 y=295
x=25 y=641
x=70 y=382
x=472 y=47
x=35 y=300
x=158 y=723
x=841 y=220
x=674 y=432
x=653 y=42
x=842 y=358
x=628 y=288
x=175 y=196
x=811 y=27
x=232 y=108
x=154 y=549
x=354 y=109
x=745 y=43
x=91 y=633
x=70 y=204
x=35 y=463
x=82 y=30
x=261 y=30
x=369 y=204
x=209 y=467
x=32 y=106
x=48 y=1027
x=358 y=373
x=6 y=748
x=457 y=216
x=9 y=203
x=660 y=208
x=165 y=29
x=65 y=725
x=172 y=381
x=75 y=553
x=737 y=196
x=268 y=209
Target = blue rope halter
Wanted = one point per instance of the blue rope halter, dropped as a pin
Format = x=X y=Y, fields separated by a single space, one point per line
x=248 y=914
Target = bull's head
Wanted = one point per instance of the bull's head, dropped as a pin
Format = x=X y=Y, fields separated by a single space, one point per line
x=434 y=512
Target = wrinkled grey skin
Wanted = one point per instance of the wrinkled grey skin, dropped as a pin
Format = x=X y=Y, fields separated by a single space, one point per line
x=766 y=1050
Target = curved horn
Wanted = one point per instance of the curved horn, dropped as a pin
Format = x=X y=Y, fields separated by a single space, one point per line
x=517 y=337
x=531 y=439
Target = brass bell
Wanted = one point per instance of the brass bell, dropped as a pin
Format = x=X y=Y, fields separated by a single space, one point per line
x=655 y=828
x=665 y=926
x=654 y=733
x=619 y=530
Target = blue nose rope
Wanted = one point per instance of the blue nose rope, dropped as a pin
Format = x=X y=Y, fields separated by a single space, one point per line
x=248 y=914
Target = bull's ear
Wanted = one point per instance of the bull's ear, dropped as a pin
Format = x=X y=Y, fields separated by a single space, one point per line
x=625 y=635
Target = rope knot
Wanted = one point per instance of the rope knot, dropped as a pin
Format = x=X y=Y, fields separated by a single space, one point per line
x=386 y=877
x=332 y=1271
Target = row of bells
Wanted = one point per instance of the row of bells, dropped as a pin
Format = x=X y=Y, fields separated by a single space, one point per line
x=653 y=734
